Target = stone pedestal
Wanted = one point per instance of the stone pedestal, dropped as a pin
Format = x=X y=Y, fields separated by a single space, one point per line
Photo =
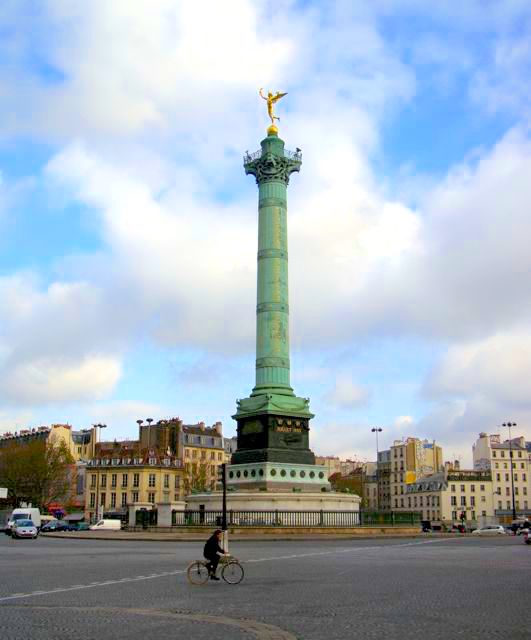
x=275 y=500
x=165 y=511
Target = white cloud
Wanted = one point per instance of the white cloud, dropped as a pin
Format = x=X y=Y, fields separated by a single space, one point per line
x=497 y=368
x=44 y=381
x=347 y=394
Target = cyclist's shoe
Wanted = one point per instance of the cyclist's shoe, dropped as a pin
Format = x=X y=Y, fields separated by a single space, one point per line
x=213 y=577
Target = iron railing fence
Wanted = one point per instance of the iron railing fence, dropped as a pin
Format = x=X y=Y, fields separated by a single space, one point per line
x=290 y=155
x=281 y=518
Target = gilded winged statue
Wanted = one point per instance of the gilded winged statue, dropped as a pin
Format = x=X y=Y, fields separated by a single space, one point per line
x=271 y=99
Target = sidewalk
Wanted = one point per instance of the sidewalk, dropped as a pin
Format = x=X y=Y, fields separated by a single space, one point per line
x=239 y=535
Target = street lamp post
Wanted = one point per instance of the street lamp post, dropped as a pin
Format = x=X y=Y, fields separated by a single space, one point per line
x=509 y=425
x=377 y=430
x=98 y=435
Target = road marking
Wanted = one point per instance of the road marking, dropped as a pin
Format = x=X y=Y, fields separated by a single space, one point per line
x=77 y=587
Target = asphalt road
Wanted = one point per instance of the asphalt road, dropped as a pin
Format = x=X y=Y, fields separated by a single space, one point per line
x=419 y=588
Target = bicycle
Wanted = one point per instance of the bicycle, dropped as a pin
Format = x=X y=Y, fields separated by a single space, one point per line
x=231 y=571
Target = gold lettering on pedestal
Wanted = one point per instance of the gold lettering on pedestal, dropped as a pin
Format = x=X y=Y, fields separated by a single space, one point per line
x=289 y=429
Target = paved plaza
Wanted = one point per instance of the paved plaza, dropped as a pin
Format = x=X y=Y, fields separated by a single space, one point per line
x=402 y=588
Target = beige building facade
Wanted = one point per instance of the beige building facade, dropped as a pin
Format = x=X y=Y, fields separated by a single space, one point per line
x=409 y=460
x=451 y=496
x=492 y=453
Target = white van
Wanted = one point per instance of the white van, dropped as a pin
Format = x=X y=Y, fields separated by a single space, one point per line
x=106 y=525
x=24 y=513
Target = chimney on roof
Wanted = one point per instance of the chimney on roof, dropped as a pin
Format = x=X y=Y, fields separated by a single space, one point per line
x=219 y=428
x=456 y=465
x=202 y=426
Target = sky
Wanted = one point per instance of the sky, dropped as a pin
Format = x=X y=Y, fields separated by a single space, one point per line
x=128 y=228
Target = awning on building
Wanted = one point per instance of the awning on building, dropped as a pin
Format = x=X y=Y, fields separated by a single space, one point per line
x=74 y=517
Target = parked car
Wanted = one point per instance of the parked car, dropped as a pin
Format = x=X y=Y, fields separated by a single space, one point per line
x=79 y=526
x=57 y=525
x=24 y=513
x=24 y=529
x=109 y=525
x=527 y=536
x=489 y=530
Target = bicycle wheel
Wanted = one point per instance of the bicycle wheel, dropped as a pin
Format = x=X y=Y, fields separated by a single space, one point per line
x=232 y=572
x=197 y=572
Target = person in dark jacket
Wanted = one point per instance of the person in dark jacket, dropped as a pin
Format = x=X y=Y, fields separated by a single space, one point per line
x=213 y=552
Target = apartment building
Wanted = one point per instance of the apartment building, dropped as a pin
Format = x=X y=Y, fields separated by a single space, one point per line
x=80 y=443
x=492 y=453
x=334 y=464
x=370 y=486
x=451 y=496
x=409 y=460
x=204 y=450
x=123 y=474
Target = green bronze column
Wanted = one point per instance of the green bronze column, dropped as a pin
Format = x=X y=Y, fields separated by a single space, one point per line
x=273 y=423
x=272 y=170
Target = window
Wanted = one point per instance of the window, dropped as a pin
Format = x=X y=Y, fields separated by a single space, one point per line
x=409 y=502
x=506 y=491
x=114 y=479
x=152 y=461
x=124 y=499
x=92 y=500
x=500 y=504
x=113 y=500
x=401 y=502
x=463 y=501
x=454 y=500
x=212 y=469
x=220 y=458
x=79 y=450
x=525 y=491
x=396 y=502
x=473 y=515
x=482 y=487
x=503 y=454
x=212 y=455
x=124 y=479
x=508 y=504
x=136 y=479
x=93 y=480
x=194 y=453
x=516 y=491
x=166 y=481
x=519 y=454
x=135 y=496
x=472 y=488
x=494 y=454
x=176 y=497
x=102 y=499
x=515 y=477
x=462 y=487
x=151 y=481
x=104 y=480
x=151 y=497
x=472 y=501
x=496 y=465
x=506 y=477
x=187 y=453
x=453 y=487
x=454 y=515
x=177 y=482
x=498 y=477
x=483 y=499
x=421 y=501
x=203 y=455
x=483 y=513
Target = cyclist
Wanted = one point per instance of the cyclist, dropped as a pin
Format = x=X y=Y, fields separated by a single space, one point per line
x=213 y=552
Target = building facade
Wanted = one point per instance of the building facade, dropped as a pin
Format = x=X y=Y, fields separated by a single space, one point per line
x=80 y=443
x=451 y=496
x=123 y=474
x=405 y=462
x=492 y=454
x=204 y=449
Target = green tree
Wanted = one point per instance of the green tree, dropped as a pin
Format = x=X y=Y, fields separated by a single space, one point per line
x=38 y=472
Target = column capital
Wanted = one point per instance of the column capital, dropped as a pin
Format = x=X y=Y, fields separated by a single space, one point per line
x=272 y=162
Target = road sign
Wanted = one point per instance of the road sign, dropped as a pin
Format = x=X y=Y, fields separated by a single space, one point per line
x=3 y=493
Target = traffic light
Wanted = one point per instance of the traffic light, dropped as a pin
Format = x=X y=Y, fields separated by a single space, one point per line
x=222 y=474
